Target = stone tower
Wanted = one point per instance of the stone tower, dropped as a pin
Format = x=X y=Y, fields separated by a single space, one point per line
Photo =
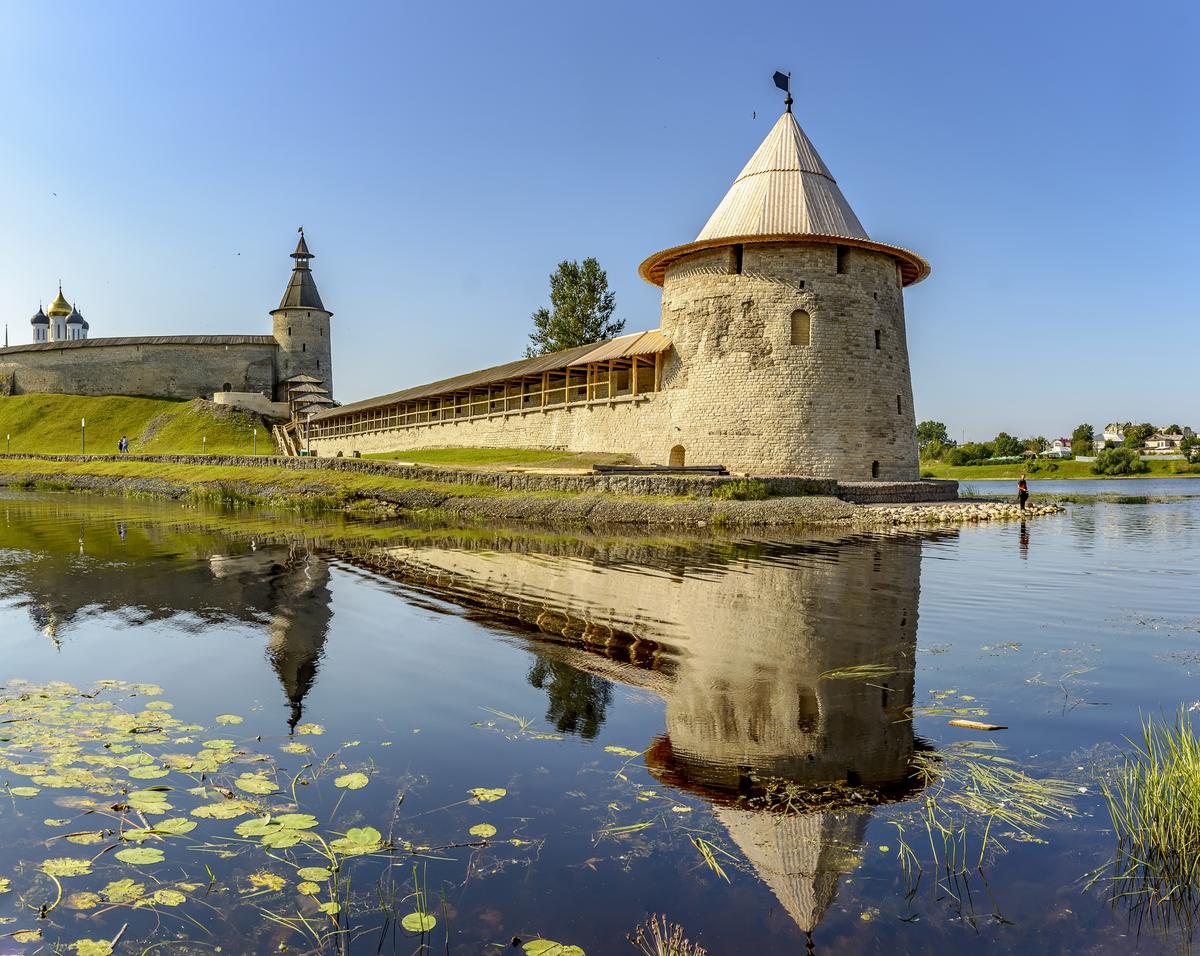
x=301 y=327
x=787 y=323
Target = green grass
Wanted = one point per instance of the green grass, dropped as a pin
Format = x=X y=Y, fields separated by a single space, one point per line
x=1048 y=469
x=49 y=425
x=504 y=457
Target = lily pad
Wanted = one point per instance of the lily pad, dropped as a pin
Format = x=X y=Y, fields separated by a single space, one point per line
x=66 y=866
x=82 y=901
x=255 y=783
x=228 y=719
x=313 y=873
x=352 y=781
x=419 y=922
x=223 y=810
x=308 y=889
x=5 y=885
x=24 y=791
x=488 y=795
x=169 y=898
x=548 y=947
x=92 y=947
x=331 y=908
x=293 y=747
x=358 y=840
x=483 y=830
x=123 y=891
x=315 y=729
x=140 y=856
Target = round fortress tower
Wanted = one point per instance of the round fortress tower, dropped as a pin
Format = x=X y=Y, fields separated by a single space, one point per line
x=301 y=327
x=787 y=323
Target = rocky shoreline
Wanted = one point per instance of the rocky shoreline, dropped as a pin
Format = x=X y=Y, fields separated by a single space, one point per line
x=552 y=509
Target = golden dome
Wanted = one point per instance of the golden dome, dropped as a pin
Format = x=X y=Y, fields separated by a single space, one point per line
x=59 y=306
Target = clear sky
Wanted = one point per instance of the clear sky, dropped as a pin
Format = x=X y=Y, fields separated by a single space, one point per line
x=158 y=157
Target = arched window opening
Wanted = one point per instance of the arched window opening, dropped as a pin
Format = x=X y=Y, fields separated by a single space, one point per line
x=739 y=253
x=677 y=455
x=801 y=327
x=227 y=387
x=874 y=469
x=843 y=253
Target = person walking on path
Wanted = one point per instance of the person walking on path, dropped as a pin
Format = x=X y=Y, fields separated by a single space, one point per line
x=1022 y=491
x=123 y=445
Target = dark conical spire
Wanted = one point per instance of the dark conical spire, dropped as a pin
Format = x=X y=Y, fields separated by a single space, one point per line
x=301 y=292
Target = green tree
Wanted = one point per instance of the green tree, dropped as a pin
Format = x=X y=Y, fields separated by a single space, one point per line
x=933 y=451
x=1119 y=461
x=1188 y=446
x=1136 y=435
x=1081 y=440
x=1006 y=446
x=932 y=431
x=580 y=312
x=970 y=453
x=1036 y=445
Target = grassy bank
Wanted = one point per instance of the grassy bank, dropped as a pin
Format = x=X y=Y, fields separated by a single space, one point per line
x=1051 y=470
x=49 y=425
x=505 y=458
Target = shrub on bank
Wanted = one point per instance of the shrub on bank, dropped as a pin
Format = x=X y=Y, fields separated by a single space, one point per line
x=747 y=489
x=1119 y=461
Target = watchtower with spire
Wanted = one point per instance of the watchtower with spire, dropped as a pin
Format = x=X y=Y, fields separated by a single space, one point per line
x=787 y=322
x=301 y=327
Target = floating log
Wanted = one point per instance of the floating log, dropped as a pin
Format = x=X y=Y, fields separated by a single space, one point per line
x=976 y=725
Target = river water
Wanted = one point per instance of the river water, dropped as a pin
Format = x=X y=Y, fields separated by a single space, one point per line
x=727 y=731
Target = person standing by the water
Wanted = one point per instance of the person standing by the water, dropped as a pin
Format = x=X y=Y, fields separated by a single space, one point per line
x=1022 y=491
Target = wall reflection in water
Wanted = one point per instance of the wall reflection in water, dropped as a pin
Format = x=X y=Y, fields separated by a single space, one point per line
x=744 y=643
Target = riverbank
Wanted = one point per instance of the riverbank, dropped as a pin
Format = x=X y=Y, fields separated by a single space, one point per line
x=1051 y=471
x=386 y=491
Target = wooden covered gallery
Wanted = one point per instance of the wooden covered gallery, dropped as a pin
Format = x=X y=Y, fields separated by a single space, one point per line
x=620 y=370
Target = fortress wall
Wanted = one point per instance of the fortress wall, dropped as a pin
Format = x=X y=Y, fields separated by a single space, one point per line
x=641 y=427
x=755 y=401
x=180 y=370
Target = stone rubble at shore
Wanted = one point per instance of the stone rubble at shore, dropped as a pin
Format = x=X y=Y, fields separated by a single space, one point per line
x=957 y=512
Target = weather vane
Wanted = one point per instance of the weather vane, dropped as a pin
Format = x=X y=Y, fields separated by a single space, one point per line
x=784 y=82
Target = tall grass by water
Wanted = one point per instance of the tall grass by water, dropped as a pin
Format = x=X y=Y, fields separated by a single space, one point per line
x=1154 y=801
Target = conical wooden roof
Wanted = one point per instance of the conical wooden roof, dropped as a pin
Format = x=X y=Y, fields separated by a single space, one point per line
x=785 y=189
x=785 y=193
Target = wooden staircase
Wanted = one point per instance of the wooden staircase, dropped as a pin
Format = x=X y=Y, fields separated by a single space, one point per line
x=287 y=439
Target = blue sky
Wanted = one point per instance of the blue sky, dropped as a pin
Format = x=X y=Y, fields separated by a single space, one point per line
x=443 y=158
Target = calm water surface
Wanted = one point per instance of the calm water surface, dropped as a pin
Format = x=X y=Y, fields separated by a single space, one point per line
x=670 y=720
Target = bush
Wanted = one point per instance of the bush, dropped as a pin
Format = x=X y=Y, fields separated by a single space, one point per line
x=746 y=489
x=969 y=454
x=1119 y=461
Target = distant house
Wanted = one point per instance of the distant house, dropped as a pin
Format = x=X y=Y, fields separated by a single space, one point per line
x=1162 y=443
x=1059 y=448
x=1114 y=433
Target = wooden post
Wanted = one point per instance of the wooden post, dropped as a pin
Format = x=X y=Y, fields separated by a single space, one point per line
x=633 y=377
x=657 y=371
x=611 y=379
x=545 y=386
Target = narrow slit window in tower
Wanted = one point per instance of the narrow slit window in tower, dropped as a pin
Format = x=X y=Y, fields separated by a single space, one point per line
x=801 y=327
x=874 y=469
x=898 y=412
x=842 y=252
x=738 y=254
x=878 y=339
x=303 y=346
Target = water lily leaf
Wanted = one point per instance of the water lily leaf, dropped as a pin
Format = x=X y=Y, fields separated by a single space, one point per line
x=137 y=834
x=140 y=856
x=255 y=783
x=66 y=866
x=228 y=719
x=149 y=801
x=84 y=839
x=352 y=781
x=313 y=873
x=5 y=885
x=55 y=823
x=159 y=705
x=123 y=891
x=419 y=922
x=174 y=826
x=331 y=908
x=82 y=901
x=224 y=810
x=169 y=897
x=484 y=830
x=623 y=751
x=220 y=743
x=147 y=773
x=315 y=729
x=308 y=889
x=24 y=791
x=296 y=821
x=547 y=947
x=292 y=747
x=486 y=795
x=92 y=947
x=27 y=935
x=358 y=840
x=253 y=828
x=280 y=839
x=267 y=880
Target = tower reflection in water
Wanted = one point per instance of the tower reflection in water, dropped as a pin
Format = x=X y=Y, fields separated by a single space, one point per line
x=744 y=643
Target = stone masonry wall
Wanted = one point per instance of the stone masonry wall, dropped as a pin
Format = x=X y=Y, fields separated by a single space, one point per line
x=152 y=370
x=749 y=398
